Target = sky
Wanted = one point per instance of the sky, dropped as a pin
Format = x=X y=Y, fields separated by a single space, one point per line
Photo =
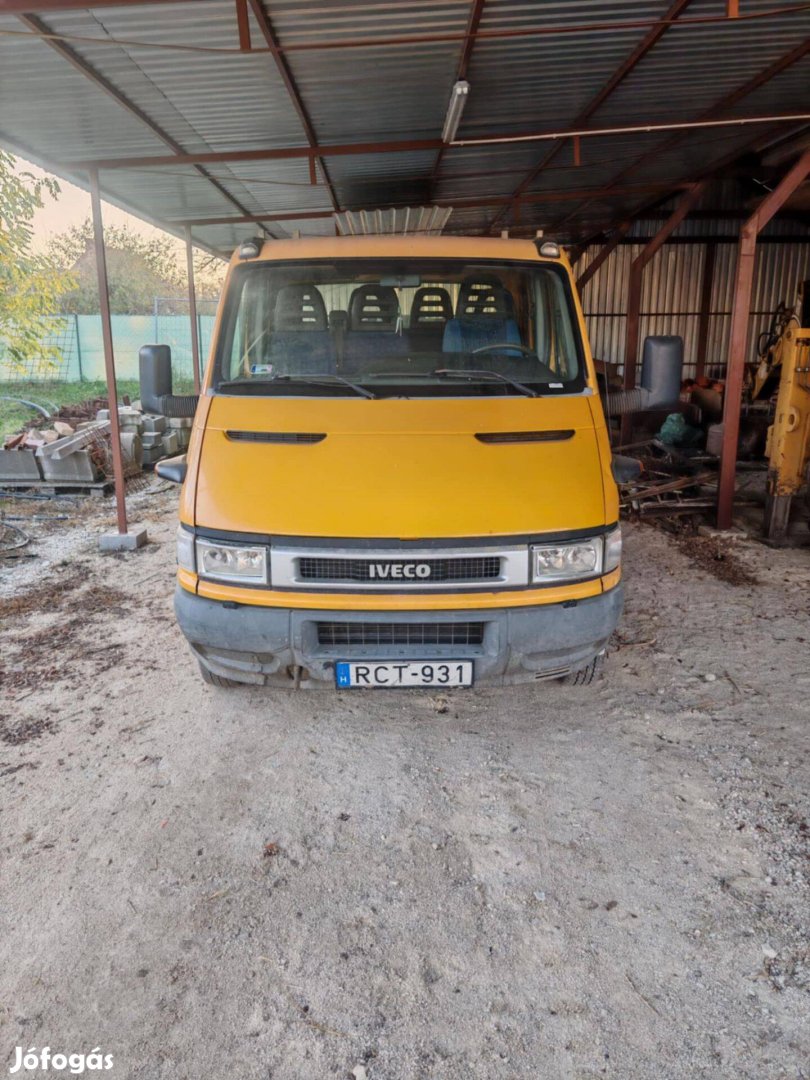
x=72 y=207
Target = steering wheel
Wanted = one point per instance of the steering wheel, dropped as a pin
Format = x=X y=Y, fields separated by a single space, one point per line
x=502 y=346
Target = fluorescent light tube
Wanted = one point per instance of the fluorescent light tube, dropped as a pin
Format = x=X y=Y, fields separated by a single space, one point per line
x=458 y=99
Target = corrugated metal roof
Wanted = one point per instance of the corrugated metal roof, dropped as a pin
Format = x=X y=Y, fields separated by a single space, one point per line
x=379 y=71
x=424 y=220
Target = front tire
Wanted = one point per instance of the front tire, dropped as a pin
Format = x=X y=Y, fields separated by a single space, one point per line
x=216 y=680
x=586 y=675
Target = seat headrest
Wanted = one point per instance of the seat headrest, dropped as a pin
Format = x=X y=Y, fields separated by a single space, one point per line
x=299 y=307
x=374 y=307
x=484 y=298
x=431 y=306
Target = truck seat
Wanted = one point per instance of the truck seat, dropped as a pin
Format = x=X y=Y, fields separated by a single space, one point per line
x=300 y=342
x=484 y=316
x=431 y=310
x=373 y=332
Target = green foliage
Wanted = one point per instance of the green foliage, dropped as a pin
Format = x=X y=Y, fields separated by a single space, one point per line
x=31 y=286
x=138 y=269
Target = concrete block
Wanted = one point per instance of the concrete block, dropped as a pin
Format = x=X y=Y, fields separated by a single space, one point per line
x=154 y=423
x=151 y=454
x=180 y=421
x=128 y=541
x=19 y=465
x=131 y=446
x=77 y=467
x=151 y=438
x=170 y=443
x=183 y=437
x=126 y=415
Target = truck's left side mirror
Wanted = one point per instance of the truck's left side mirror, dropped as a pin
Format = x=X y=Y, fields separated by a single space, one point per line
x=173 y=468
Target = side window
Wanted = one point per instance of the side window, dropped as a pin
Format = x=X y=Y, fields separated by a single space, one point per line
x=555 y=339
x=236 y=367
x=251 y=328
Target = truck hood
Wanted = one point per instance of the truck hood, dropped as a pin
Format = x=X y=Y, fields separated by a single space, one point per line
x=409 y=470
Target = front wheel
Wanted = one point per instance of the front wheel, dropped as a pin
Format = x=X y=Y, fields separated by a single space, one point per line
x=586 y=675
x=216 y=680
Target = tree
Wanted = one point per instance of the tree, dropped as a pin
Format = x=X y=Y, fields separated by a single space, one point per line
x=138 y=269
x=31 y=285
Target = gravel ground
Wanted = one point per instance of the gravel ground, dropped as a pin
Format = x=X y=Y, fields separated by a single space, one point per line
x=540 y=882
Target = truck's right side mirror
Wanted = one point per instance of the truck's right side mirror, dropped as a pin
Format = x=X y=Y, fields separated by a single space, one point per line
x=625 y=469
x=173 y=468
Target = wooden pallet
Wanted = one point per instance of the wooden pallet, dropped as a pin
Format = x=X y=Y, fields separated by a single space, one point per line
x=98 y=488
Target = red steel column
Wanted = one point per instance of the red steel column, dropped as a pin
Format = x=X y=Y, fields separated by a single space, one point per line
x=706 y=289
x=192 y=312
x=735 y=369
x=109 y=358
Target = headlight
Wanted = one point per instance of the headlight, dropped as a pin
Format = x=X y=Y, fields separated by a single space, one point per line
x=231 y=562
x=567 y=562
x=613 y=549
x=185 y=549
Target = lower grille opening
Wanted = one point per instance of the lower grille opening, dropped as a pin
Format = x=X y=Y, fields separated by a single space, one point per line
x=359 y=633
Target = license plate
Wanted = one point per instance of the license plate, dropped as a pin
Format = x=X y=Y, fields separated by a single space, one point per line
x=369 y=674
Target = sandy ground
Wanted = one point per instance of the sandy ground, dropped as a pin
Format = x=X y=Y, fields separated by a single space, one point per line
x=540 y=882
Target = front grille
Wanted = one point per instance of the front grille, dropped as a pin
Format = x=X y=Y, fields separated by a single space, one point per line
x=359 y=633
x=477 y=568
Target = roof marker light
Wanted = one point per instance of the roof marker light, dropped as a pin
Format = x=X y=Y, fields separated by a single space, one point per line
x=549 y=250
x=249 y=249
x=458 y=99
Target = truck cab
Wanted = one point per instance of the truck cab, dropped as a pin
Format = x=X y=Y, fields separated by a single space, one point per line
x=399 y=472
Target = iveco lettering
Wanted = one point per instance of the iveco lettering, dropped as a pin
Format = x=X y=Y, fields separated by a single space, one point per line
x=399 y=473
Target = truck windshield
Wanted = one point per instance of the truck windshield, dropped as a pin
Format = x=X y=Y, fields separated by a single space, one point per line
x=399 y=328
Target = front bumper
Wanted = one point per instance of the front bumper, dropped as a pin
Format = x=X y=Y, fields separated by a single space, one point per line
x=264 y=645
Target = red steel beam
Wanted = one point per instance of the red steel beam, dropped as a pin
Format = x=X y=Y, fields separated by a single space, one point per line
x=685 y=204
x=407 y=145
x=269 y=34
x=89 y=72
x=717 y=168
x=721 y=106
x=109 y=356
x=602 y=255
x=650 y=39
x=735 y=369
x=548 y=29
x=243 y=25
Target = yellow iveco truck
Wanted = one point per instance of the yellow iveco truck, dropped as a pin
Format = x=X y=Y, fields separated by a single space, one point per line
x=399 y=473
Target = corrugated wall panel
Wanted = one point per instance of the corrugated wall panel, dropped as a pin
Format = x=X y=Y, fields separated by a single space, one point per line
x=670 y=302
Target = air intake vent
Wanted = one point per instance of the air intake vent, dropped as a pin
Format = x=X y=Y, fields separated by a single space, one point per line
x=295 y=437
x=523 y=436
x=359 y=633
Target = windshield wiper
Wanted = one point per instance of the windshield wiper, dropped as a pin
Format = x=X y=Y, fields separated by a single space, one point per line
x=483 y=373
x=325 y=379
